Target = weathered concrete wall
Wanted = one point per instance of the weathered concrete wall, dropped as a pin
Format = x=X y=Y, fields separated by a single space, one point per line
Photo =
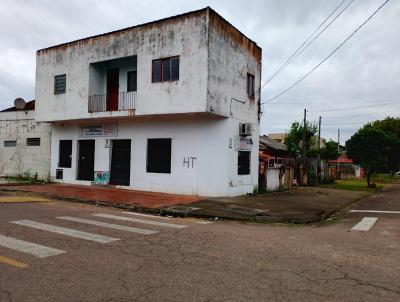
x=231 y=57
x=186 y=37
x=272 y=179
x=204 y=139
x=23 y=160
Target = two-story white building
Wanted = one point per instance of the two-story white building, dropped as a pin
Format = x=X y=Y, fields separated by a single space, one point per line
x=168 y=106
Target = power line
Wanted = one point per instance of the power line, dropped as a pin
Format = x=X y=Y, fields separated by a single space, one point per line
x=356 y=123
x=327 y=57
x=343 y=108
x=337 y=102
x=360 y=107
x=356 y=115
x=300 y=49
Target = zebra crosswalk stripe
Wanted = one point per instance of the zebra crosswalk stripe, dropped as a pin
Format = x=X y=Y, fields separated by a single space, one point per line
x=365 y=224
x=65 y=231
x=109 y=225
x=157 y=223
x=146 y=215
x=34 y=249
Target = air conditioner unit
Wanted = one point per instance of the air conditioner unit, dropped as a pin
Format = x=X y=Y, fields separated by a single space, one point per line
x=245 y=129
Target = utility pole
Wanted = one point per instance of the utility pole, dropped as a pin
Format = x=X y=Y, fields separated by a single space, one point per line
x=303 y=146
x=319 y=156
x=338 y=148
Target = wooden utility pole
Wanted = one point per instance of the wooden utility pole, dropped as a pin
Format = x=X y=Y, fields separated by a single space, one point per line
x=303 y=146
x=319 y=149
x=338 y=148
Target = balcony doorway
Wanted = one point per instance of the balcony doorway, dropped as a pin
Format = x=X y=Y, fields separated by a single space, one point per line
x=112 y=89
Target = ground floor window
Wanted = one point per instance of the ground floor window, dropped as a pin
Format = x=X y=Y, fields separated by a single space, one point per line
x=65 y=154
x=10 y=143
x=33 y=141
x=244 y=162
x=159 y=155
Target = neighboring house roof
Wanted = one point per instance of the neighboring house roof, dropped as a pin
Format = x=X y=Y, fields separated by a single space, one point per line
x=342 y=159
x=28 y=106
x=280 y=137
x=268 y=143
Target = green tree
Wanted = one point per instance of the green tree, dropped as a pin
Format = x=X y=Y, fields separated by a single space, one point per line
x=294 y=143
x=294 y=138
x=329 y=151
x=391 y=126
x=369 y=147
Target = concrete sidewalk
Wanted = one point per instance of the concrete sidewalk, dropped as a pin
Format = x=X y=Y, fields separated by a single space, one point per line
x=304 y=205
x=104 y=196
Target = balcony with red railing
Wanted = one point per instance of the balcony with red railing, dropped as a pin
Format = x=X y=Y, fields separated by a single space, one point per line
x=112 y=102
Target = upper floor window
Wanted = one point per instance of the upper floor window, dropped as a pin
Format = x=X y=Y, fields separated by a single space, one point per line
x=33 y=141
x=60 y=82
x=250 y=85
x=164 y=70
x=132 y=81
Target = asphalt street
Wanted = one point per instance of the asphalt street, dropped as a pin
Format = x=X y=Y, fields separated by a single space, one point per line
x=61 y=251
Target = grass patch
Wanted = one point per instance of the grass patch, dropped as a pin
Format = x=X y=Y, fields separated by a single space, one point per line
x=26 y=178
x=354 y=185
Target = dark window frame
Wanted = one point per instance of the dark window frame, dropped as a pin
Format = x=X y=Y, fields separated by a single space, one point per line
x=172 y=76
x=65 y=161
x=243 y=168
x=7 y=144
x=159 y=161
x=33 y=141
x=131 y=86
x=60 y=87
x=250 y=85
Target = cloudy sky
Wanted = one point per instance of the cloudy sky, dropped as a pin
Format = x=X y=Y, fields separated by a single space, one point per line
x=359 y=83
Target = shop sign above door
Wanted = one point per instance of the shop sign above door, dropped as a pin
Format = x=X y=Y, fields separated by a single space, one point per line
x=108 y=130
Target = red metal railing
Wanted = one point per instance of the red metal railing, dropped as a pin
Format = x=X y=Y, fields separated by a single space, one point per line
x=112 y=102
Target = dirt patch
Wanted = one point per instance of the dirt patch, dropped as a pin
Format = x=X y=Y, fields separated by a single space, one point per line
x=305 y=205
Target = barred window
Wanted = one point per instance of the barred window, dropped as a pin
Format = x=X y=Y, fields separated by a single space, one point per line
x=60 y=82
x=250 y=85
x=10 y=143
x=33 y=141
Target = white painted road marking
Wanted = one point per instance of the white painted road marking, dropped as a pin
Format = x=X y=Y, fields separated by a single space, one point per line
x=109 y=225
x=158 y=223
x=34 y=249
x=65 y=231
x=146 y=215
x=203 y=222
x=365 y=224
x=375 y=211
